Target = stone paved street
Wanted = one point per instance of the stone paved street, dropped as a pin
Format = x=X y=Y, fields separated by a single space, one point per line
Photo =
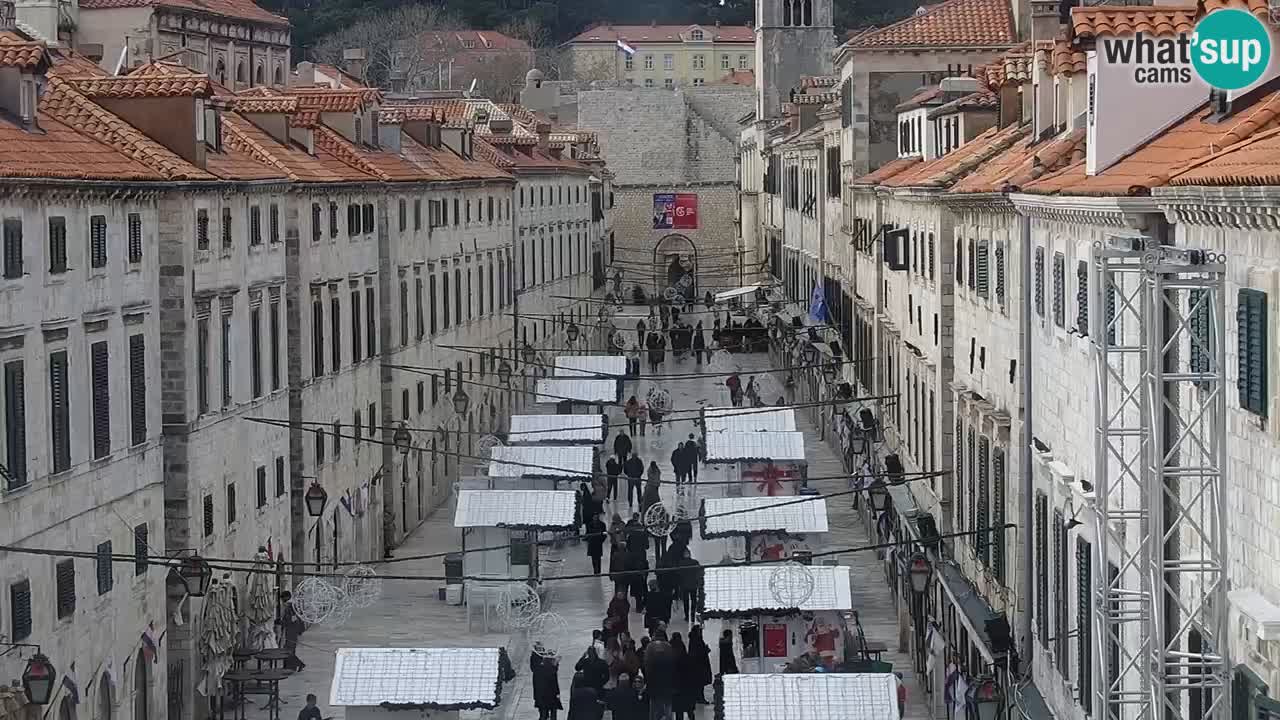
x=409 y=614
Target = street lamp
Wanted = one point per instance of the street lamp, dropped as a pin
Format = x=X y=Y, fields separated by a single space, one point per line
x=38 y=679
x=893 y=465
x=571 y=332
x=461 y=402
x=402 y=439
x=810 y=355
x=196 y=575
x=920 y=570
x=879 y=496
x=988 y=698
x=504 y=372
x=527 y=353
x=315 y=498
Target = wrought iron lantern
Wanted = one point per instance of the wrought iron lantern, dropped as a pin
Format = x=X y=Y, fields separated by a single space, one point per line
x=527 y=353
x=403 y=439
x=879 y=493
x=38 y=679
x=988 y=698
x=810 y=355
x=920 y=570
x=461 y=402
x=504 y=372
x=572 y=332
x=315 y=498
x=196 y=575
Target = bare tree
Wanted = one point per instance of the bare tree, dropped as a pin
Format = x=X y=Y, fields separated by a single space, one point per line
x=400 y=45
x=546 y=56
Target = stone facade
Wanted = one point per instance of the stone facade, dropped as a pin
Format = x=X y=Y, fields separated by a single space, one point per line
x=637 y=244
x=794 y=39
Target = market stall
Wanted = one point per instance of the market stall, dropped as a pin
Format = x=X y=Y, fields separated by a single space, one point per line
x=509 y=521
x=378 y=683
x=591 y=366
x=569 y=393
x=767 y=463
x=809 y=696
x=542 y=467
x=779 y=612
x=558 y=429
x=736 y=419
x=762 y=528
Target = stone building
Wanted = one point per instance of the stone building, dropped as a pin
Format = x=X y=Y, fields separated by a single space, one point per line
x=794 y=39
x=666 y=56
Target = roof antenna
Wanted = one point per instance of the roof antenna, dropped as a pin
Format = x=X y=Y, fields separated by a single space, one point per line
x=124 y=53
x=472 y=90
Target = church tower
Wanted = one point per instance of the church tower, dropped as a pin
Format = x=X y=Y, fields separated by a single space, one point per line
x=794 y=38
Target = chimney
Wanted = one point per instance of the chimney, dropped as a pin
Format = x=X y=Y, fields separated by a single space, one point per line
x=544 y=136
x=93 y=51
x=1046 y=19
x=353 y=61
x=8 y=15
x=305 y=75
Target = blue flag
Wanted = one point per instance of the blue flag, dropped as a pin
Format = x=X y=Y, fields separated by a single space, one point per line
x=817 y=305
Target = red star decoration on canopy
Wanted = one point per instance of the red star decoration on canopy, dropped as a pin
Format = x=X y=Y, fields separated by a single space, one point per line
x=769 y=479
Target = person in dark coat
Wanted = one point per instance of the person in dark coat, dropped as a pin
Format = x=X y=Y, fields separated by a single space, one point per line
x=678 y=463
x=691 y=578
x=622 y=446
x=596 y=533
x=640 y=331
x=634 y=470
x=657 y=606
x=594 y=669
x=626 y=702
x=584 y=700
x=618 y=566
x=620 y=607
x=696 y=455
x=612 y=469
x=728 y=662
x=660 y=674
x=687 y=690
x=637 y=536
x=638 y=570
x=546 y=688
x=700 y=663
x=292 y=626
x=699 y=343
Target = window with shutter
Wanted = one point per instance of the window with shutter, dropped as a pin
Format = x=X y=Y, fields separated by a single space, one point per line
x=202 y=229
x=273 y=228
x=274 y=340
x=404 y=214
x=417 y=214
x=366 y=216
x=140 y=550
x=317 y=217
x=135 y=237
x=444 y=299
x=932 y=251
x=98 y=241
x=959 y=262
x=255 y=351
x=101 y=382
x=1000 y=273
x=358 y=422
x=137 y=389
x=59 y=411
x=435 y=390
x=373 y=419
x=1038 y=271
x=102 y=564
x=1082 y=298
x=457 y=295
x=202 y=364
x=335 y=331
x=20 y=610
x=983 y=280
x=336 y=430
x=1198 y=322
x=261 y=486
x=226 y=227
x=280 y=477
x=1084 y=623
x=65 y=588
x=422 y=397
x=226 y=357
x=58 y=245
x=1060 y=562
x=404 y=403
x=1059 y=290
x=971 y=450
x=333 y=219
x=208 y=516
x=356 y=347
x=1251 y=350
x=973 y=264
x=12 y=231
x=982 y=540
x=15 y=424
x=1042 y=567
x=404 y=313
x=231 y=504
x=997 y=514
x=353 y=220
x=371 y=322
x=960 y=478
x=255 y=225
x=317 y=337
x=480 y=291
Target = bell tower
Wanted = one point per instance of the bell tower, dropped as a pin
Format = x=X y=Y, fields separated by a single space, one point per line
x=794 y=38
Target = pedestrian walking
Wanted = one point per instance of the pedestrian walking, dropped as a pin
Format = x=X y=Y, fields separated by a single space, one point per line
x=697 y=455
x=546 y=688
x=637 y=571
x=687 y=690
x=657 y=606
x=632 y=411
x=612 y=469
x=596 y=533
x=310 y=712
x=292 y=627
x=677 y=463
x=660 y=675
x=625 y=701
x=634 y=470
x=691 y=579
x=734 y=383
x=594 y=669
x=700 y=667
x=584 y=700
x=655 y=419
x=728 y=662
x=618 y=566
x=622 y=444
x=699 y=343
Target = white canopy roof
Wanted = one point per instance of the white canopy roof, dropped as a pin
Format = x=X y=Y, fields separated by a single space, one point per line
x=764 y=514
x=585 y=390
x=515 y=508
x=780 y=447
x=443 y=678
x=811 y=696
x=540 y=461
x=592 y=366
x=738 y=292
x=734 y=419
x=527 y=429
x=746 y=589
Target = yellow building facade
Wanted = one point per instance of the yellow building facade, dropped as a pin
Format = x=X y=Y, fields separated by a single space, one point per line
x=664 y=55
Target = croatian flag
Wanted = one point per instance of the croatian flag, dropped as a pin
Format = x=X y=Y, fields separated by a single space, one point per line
x=817 y=305
x=625 y=47
x=149 y=649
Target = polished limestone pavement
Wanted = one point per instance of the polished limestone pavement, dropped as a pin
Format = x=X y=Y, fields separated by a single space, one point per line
x=408 y=614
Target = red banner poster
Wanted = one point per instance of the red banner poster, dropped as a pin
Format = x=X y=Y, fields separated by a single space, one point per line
x=675 y=211
x=775 y=640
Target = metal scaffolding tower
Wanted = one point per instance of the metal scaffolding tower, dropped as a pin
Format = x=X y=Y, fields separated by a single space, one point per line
x=1159 y=563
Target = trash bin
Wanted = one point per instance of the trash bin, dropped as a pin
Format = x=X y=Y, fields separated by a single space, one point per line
x=453 y=569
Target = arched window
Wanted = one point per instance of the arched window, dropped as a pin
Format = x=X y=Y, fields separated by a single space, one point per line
x=260 y=75
x=242 y=75
x=141 y=686
x=277 y=77
x=106 y=711
x=220 y=72
x=786 y=12
x=808 y=13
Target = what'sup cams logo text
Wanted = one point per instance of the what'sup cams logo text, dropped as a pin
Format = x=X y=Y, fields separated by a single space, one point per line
x=1229 y=50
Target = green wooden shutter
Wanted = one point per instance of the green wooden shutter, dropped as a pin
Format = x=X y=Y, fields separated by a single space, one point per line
x=1084 y=622
x=1059 y=290
x=140 y=549
x=137 y=389
x=106 y=578
x=101 y=399
x=1059 y=588
x=20 y=610
x=15 y=423
x=982 y=541
x=1251 y=382
x=1042 y=567
x=1039 y=278
x=997 y=514
x=60 y=411
x=65 y=586
x=1082 y=297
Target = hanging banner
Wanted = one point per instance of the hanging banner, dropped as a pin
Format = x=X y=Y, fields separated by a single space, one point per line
x=675 y=211
x=775 y=640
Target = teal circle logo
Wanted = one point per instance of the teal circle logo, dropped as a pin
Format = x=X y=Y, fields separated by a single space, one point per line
x=1230 y=49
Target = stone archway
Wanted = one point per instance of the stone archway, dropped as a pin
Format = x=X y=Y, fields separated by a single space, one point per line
x=141 y=687
x=674 y=258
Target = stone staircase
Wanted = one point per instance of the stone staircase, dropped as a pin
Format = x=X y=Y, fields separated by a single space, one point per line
x=698 y=108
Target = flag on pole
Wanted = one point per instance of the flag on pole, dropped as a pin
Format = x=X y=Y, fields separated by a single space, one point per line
x=625 y=47
x=72 y=688
x=817 y=305
x=149 y=650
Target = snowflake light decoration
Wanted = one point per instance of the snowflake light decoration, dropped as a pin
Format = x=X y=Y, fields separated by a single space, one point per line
x=659 y=521
x=362 y=586
x=659 y=400
x=316 y=599
x=545 y=633
x=519 y=604
x=486 y=444
x=791 y=584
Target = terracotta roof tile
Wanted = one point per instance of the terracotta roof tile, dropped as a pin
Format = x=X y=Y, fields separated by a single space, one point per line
x=925 y=96
x=662 y=33
x=1066 y=59
x=279 y=104
x=305 y=119
x=1025 y=161
x=293 y=161
x=819 y=81
x=59 y=152
x=739 y=77
x=17 y=52
x=490 y=154
x=1168 y=154
x=64 y=102
x=329 y=100
x=68 y=63
x=1255 y=161
x=238 y=9
x=981 y=100
x=1091 y=22
x=886 y=171
x=952 y=23
x=944 y=171
x=444 y=164
x=152 y=80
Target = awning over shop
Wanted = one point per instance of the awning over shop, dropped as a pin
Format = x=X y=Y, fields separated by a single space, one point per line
x=558 y=429
x=744 y=591
x=810 y=696
x=552 y=391
x=541 y=461
x=734 y=419
x=739 y=516
x=974 y=611
x=517 y=509
x=591 y=366
x=778 y=447
x=435 y=678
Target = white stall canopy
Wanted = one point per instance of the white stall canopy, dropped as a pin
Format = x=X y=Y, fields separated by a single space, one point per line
x=778 y=447
x=811 y=696
x=541 y=461
x=441 y=679
x=553 y=429
x=733 y=419
x=517 y=509
x=741 y=516
x=591 y=366
x=743 y=291
x=551 y=391
x=744 y=591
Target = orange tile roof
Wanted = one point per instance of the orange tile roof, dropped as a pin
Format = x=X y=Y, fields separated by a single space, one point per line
x=1091 y=22
x=886 y=171
x=152 y=80
x=1025 y=161
x=944 y=171
x=340 y=76
x=490 y=154
x=444 y=164
x=739 y=77
x=921 y=97
x=1066 y=59
x=1152 y=165
x=293 y=161
x=18 y=52
x=278 y=104
x=980 y=100
x=69 y=63
x=380 y=164
x=237 y=9
x=1254 y=161
x=64 y=102
x=60 y=152
x=952 y=23
x=662 y=33
x=330 y=100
